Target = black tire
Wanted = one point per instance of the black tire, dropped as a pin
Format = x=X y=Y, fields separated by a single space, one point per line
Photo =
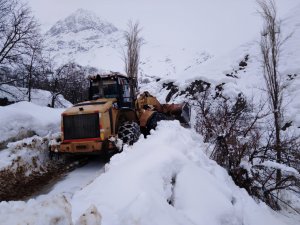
x=129 y=132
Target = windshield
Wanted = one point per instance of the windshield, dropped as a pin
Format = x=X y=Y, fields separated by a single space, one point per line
x=110 y=89
x=125 y=90
x=104 y=89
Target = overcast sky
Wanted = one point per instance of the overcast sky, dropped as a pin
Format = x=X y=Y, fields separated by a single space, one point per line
x=213 y=25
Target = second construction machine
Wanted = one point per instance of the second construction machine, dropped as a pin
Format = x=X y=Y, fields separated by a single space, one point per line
x=112 y=113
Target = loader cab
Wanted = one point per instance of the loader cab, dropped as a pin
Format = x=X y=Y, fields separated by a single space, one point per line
x=112 y=86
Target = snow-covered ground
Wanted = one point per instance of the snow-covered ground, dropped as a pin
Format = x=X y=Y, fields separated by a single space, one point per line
x=152 y=182
x=169 y=184
x=39 y=97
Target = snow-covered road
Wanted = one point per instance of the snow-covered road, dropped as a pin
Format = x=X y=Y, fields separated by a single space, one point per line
x=75 y=180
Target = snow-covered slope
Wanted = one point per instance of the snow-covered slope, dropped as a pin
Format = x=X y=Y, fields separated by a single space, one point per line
x=241 y=71
x=154 y=183
x=81 y=20
x=174 y=183
x=57 y=208
x=38 y=96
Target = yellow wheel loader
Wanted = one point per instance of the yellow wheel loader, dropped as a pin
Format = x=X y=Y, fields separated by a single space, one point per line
x=112 y=113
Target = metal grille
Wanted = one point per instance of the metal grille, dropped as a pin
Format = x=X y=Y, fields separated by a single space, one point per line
x=81 y=126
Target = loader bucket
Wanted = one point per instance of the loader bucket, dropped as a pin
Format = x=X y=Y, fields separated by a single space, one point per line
x=181 y=112
x=185 y=116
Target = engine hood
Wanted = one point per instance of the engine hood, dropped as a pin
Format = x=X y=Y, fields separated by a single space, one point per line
x=99 y=105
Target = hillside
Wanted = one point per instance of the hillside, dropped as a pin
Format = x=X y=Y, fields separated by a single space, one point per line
x=241 y=71
x=40 y=97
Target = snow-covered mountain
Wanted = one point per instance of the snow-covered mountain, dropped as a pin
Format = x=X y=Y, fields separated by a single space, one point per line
x=81 y=20
x=85 y=38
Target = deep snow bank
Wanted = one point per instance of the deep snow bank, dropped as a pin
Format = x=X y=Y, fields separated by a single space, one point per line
x=53 y=211
x=21 y=117
x=164 y=179
x=167 y=179
x=21 y=120
x=25 y=161
x=38 y=96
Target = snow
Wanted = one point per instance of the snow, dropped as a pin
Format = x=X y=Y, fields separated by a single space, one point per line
x=82 y=20
x=53 y=211
x=137 y=186
x=152 y=183
x=25 y=116
x=194 y=36
x=75 y=180
x=21 y=154
x=79 y=38
x=86 y=39
x=194 y=24
x=248 y=80
x=39 y=97
x=282 y=167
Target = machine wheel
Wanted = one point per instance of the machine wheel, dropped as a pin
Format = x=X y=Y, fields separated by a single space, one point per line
x=129 y=132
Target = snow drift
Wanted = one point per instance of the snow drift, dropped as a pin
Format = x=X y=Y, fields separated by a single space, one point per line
x=21 y=117
x=25 y=130
x=164 y=179
x=38 y=96
x=168 y=179
x=53 y=211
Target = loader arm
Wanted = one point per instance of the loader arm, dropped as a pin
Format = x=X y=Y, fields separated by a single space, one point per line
x=146 y=104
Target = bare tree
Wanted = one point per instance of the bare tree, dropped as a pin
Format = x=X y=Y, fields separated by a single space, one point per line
x=132 y=54
x=18 y=28
x=68 y=80
x=55 y=79
x=31 y=63
x=250 y=141
x=270 y=45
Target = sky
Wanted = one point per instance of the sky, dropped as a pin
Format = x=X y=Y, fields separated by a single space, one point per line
x=216 y=26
